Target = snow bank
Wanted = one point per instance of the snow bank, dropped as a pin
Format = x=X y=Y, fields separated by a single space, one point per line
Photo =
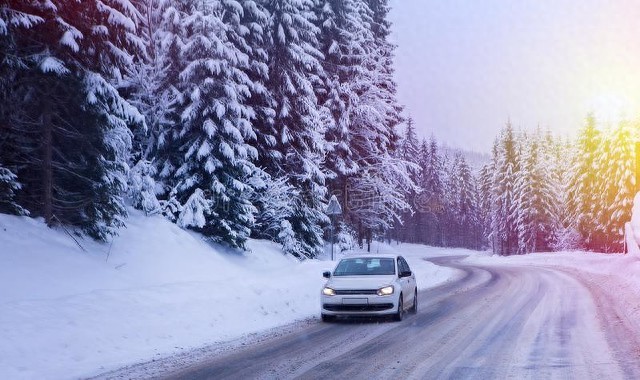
x=620 y=268
x=632 y=229
x=624 y=267
x=155 y=291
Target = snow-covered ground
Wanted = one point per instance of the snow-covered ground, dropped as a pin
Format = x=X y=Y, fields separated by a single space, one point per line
x=159 y=290
x=156 y=291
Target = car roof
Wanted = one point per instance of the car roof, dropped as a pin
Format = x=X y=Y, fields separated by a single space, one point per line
x=371 y=256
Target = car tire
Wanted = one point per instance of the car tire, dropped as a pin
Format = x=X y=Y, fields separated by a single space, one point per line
x=399 y=315
x=414 y=308
x=328 y=318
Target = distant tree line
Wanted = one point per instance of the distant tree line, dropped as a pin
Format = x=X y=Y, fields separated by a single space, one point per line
x=445 y=200
x=537 y=193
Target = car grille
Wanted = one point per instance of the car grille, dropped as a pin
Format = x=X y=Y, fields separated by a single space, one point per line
x=348 y=292
x=369 y=307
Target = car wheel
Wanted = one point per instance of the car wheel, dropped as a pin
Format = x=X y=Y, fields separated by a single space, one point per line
x=328 y=318
x=400 y=313
x=414 y=308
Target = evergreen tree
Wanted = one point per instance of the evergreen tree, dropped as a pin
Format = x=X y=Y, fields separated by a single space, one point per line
x=340 y=33
x=149 y=82
x=142 y=188
x=294 y=67
x=568 y=237
x=214 y=136
x=465 y=205
x=503 y=229
x=377 y=198
x=9 y=185
x=616 y=186
x=487 y=196
x=555 y=166
x=582 y=183
x=250 y=34
x=373 y=122
x=534 y=209
x=274 y=198
x=380 y=65
x=432 y=186
x=409 y=146
x=67 y=125
x=408 y=151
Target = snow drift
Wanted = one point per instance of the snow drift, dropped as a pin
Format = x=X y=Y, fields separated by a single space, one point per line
x=155 y=291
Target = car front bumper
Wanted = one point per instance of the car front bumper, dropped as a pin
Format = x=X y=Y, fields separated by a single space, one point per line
x=359 y=305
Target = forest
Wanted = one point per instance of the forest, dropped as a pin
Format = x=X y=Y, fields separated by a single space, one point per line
x=241 y=118
x=537 y=192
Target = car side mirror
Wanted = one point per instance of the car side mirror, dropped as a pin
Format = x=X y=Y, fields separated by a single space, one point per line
x=326 y=274
x=406 y=273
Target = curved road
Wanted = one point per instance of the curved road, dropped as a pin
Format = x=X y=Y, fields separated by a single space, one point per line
x=493 y=322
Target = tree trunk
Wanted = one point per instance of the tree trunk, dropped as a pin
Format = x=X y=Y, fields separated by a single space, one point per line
x=47 y=170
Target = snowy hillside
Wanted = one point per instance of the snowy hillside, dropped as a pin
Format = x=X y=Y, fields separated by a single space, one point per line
x=157 y=290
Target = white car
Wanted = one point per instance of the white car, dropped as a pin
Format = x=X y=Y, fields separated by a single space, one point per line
x=369 y=285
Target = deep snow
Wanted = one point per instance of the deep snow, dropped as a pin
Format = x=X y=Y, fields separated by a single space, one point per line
x=157 y=290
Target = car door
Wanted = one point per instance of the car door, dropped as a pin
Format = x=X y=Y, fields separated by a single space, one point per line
x=408 y=283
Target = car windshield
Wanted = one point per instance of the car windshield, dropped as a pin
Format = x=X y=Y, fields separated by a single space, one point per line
x=365 y=266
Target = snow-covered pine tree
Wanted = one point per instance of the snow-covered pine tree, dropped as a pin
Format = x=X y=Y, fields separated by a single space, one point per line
x=616 y=185
x=167 y=42
x=376 y=198
x=555 y=167
x=409 y=146
x=252 y=37
x=9 y=185
x=273 y=197
x=448 y=222
x=294 y=68
x=149 y=81
x=567 y=236
x=534 y=207
x=380 y=63
x=380 y=25
x=69 y=132
x=503 y=235
x=420 y=203
x=149 y=84
x=142 y=187
x=339 y=28
x=375 y=117
x=583 y=182
x=195 y=211
x=465 y=205
x=360 y=142
x=213 y=138
x=432 y=196
x=409 y=151
x=487 y=196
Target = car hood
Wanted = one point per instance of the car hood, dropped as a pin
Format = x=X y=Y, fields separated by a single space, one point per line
x=360 y=282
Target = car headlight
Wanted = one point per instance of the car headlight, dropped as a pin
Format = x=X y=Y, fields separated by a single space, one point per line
x=328 y=291
x=386 y=291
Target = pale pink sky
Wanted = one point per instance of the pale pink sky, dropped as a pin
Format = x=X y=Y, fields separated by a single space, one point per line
x=465 y=66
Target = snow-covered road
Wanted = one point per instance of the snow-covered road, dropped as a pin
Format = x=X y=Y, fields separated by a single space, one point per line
x=495 y=321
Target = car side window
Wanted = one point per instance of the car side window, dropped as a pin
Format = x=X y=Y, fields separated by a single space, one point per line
x=404 y=266
x=401 y=267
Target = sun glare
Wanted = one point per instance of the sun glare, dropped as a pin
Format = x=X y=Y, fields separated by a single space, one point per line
x=611 y=108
